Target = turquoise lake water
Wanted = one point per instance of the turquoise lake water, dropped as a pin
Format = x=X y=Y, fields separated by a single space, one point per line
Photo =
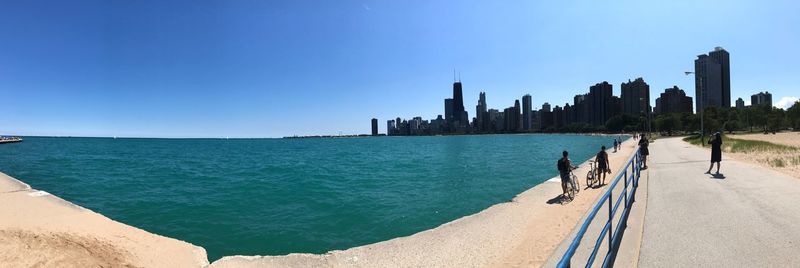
x=278 y=196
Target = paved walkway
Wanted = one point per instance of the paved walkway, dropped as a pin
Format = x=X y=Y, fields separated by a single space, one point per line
x=748 y=216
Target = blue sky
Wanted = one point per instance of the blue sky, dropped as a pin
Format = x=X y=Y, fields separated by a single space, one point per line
x=277 y=68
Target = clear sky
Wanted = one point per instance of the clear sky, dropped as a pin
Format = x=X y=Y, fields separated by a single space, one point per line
x=276 y=68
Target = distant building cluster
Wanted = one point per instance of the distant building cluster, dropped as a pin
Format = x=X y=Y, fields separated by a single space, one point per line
x=673 y=100
x=594 y=108
x=762 y=98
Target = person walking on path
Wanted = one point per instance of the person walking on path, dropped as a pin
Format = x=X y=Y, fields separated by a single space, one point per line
x=643 y=143
x=716 y=151
x=602 y=165
x=615 y=146
x=564 y=167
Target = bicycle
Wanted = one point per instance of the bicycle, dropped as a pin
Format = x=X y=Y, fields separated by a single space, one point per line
x=573 y=186
x=593 y=176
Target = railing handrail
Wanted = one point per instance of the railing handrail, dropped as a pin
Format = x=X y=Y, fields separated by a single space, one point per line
x=565 y=260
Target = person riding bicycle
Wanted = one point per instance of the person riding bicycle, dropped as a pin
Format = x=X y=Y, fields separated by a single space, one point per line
x=602 y=165
x=564 y=167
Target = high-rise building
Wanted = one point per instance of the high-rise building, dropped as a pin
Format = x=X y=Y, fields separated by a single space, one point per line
x=673 y=100
x=635 y=97
x=449 y=116
x=569 y=116
x=527 y=113
x=518 y=119
x=546 y=107
x=739 y=103
x=389 y=127
x=458 y=105
x=374 y=127
x=558 y=117
x=481 y=113
x=601 y=103
x=580 y=108
x=712 y=79
x=762 y=98
x=495 y=120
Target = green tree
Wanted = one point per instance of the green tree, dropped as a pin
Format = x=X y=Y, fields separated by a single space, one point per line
x=793 y=116
x=731 y=125
x=690 y=122
x=775 y=120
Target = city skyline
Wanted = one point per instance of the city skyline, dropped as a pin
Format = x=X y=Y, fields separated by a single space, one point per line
x=273 y=69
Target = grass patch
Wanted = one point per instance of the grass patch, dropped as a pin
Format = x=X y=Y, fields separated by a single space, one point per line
x=777 y=162
x=743 y=146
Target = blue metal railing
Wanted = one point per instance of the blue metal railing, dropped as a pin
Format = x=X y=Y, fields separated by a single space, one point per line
x=631 y=178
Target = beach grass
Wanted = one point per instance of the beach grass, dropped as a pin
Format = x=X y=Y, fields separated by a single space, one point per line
x=744 y=146
x=774 y=155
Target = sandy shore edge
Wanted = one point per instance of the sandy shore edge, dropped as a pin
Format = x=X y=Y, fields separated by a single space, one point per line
x=38 y=229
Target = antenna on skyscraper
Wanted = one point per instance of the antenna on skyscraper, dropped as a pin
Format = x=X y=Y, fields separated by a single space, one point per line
x=454 y=75
x=459 y=76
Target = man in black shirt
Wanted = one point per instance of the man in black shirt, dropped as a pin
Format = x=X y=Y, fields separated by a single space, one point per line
x=564 y=167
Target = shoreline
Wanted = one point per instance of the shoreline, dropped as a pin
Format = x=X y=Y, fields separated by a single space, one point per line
x=40 y=229
x=524 y=231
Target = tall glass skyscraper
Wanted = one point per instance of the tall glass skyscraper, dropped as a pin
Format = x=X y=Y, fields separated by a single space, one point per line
x=712 y=78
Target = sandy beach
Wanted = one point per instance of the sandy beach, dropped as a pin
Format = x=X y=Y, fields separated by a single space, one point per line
x=520 y=233
x=785 y=138
x=786 y=162
x=41 y=230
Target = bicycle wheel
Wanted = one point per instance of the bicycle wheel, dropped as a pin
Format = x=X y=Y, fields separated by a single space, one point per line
x=589 y=178
x=571 y=191
x=576 y=182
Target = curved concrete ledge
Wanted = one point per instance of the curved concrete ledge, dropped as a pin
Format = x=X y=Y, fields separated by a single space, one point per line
x=40 y=229
x=523 y=232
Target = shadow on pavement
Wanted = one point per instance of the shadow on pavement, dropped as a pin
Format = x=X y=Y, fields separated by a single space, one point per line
x=718 y=176
x=560 y=200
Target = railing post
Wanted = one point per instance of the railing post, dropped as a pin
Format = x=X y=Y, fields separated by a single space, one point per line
x=610 y=225
x=625 y=177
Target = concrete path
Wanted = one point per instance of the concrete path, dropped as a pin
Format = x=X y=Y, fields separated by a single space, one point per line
x=747 y=217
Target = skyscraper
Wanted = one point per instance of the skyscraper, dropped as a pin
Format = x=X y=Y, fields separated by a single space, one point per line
x=458 y=105
x=600 y=103
x=673 y=100
x=481 y=120
x=635 y=97
x=580 y=108
x=374 y=127
x=448 y=111
x=739 y=103
x=517 y=110
x=546 y=107
x=712 y=79
x=762 y=98
x=389 y=127
x=527 y=113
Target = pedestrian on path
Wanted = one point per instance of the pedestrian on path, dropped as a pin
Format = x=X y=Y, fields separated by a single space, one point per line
x=615 y=145
x=716 y=151
x=643 y=143
x=602 y=164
